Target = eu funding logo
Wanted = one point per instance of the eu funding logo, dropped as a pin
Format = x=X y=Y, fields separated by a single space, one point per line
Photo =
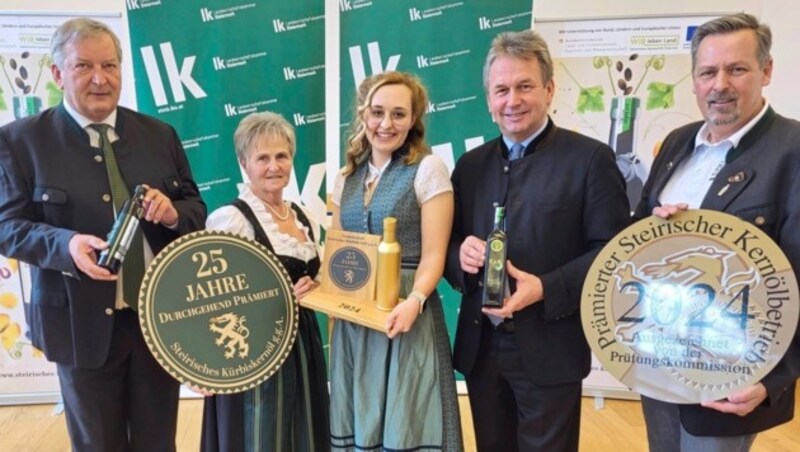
x=178 y=78
x=376 y=64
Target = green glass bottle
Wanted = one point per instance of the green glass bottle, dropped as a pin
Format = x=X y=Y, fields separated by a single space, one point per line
x=494 y=270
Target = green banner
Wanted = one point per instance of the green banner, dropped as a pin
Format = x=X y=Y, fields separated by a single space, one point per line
x=202 y=66
x=445 y=44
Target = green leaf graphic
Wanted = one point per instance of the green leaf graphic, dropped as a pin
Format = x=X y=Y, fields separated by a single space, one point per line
x=54 y=94
x=661 y=95
x=591 y=99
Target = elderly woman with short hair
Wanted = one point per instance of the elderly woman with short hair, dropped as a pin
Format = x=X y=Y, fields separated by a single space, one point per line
x=289 y=411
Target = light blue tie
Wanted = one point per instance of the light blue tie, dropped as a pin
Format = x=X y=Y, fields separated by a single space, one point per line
x=517 y=151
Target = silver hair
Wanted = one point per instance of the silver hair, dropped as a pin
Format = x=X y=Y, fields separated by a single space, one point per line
x=256 y=125
x=74 y=31
x=524 y=45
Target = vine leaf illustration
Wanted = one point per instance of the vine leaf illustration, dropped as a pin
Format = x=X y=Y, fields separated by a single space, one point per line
x=3 y=106
x=660 y=95
x=591 y=99
x=54 y=94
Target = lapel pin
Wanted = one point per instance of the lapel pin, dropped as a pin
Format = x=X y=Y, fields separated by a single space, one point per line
x=723 y=189
x=738 y=177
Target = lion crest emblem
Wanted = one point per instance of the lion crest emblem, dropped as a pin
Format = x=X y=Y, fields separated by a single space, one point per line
x=231 y=334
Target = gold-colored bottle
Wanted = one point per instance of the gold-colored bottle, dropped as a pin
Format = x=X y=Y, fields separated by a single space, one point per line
x=388 y=267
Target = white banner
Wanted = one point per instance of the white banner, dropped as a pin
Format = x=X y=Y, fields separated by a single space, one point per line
x=26 y=88
x=626 y=82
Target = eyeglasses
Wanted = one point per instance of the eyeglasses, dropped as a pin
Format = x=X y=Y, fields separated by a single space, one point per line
x=376 y=116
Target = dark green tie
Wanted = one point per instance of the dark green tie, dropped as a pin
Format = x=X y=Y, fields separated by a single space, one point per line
x=133 y=266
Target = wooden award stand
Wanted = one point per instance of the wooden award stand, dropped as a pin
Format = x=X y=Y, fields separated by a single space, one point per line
x=349 y=280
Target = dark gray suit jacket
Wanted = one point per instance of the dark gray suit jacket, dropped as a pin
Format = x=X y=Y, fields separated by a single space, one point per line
x=52 y=187
x=768 y=195
x=564 y=200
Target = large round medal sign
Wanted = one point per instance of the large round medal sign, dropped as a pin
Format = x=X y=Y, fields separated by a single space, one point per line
x=691 y=308
x=218 y=312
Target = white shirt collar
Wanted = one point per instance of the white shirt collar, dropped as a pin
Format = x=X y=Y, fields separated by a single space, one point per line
x=702 y=135
x=85 y=122
x=509 y=142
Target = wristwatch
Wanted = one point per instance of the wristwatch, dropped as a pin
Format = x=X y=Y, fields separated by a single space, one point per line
x=419 y=296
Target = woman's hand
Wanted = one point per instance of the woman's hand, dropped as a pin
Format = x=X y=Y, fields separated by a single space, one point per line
x=197 y=390
x=303 y=286
x=402 y=317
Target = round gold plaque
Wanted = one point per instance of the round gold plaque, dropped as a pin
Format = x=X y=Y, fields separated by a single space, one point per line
x=692 y=308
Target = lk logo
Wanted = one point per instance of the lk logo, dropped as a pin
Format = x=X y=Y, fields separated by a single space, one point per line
x=376 y=65
x=178 y=79
x=219 y=63
x=230 y=110
x=206 y=15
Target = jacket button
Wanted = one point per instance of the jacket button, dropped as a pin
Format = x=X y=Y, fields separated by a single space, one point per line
x=505 y=169
x=106 y=197
x=109 y=311
x=476 y=322
x=98 y=158
x=760 y=220
x=45 y=197
x=480 y=283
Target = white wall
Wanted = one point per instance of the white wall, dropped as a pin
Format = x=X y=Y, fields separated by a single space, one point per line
x=86 y=7
x=781 y=15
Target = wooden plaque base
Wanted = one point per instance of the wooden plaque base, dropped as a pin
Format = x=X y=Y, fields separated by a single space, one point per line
x=363 y=313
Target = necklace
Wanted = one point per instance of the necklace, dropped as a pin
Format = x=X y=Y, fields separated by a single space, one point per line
x=280 y=217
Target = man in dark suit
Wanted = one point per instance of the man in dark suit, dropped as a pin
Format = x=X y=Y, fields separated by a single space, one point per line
x=56 y=203
x=743 y=159
x=564 y=198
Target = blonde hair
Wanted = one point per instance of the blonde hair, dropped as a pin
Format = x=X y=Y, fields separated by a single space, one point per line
x=358 y=148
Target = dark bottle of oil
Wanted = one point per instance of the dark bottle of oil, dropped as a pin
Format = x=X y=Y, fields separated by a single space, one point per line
x=123 y=231
x=494 y=270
